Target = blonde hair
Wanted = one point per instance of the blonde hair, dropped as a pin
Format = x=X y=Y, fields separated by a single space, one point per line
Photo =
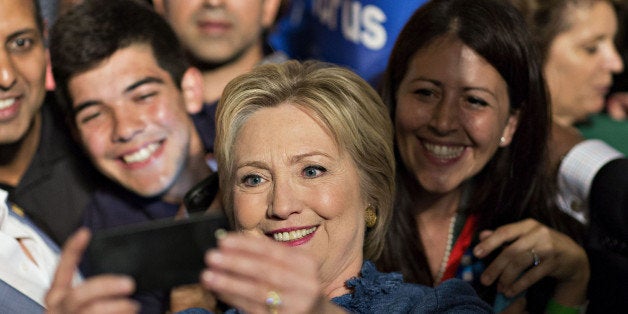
x=343 y=102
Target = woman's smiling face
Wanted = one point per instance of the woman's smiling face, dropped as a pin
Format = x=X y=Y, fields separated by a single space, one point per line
x=452 y=112
x=294 y=184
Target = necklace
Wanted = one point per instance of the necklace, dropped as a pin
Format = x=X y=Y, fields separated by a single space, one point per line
x=450 y=239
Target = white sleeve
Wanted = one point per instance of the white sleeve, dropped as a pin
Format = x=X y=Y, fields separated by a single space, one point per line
x=576 y=173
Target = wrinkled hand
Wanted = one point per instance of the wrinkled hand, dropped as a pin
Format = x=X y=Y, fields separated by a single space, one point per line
x=560 y=258
x=617 y=106
x=99 y=294
x=244 y=269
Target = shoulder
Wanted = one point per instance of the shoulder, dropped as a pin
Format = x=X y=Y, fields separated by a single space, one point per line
x=455 y=295
x=377 y=292
x=611 y=173
x=609 y=199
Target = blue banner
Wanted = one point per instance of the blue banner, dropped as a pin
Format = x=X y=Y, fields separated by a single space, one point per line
x=358 y=34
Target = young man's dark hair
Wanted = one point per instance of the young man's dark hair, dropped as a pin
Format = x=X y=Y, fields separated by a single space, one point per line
x=102 y=35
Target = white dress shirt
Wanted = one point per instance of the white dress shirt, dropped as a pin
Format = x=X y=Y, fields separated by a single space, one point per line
x=576 y=173
x=32 y=278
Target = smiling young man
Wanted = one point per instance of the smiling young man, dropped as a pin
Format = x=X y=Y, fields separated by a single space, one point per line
x=128 y=93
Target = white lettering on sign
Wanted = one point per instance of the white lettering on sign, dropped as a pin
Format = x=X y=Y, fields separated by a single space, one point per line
x=359 y=24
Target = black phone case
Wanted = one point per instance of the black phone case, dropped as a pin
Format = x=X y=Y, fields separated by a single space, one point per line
x=159 y=254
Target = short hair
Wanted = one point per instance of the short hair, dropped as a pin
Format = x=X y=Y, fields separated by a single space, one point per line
x=547 y=19
x=514 y=183
x=93 y=31
x=343 y=102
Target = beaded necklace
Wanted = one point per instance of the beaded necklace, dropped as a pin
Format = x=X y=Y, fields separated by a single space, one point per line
x=450 y=240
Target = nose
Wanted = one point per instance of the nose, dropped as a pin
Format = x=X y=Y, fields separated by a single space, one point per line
x=8 y=77
x=444 y=116
x=614 y=62
x=126 y=124
x=284 y=200
x=213 y=3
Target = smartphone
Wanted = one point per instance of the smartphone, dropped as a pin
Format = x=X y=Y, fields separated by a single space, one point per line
x=158 y=254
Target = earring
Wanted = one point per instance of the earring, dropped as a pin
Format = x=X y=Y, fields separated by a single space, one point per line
x=370 y=216
x=502 y=140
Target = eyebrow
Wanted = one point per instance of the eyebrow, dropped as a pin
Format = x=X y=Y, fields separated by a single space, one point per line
x=293 y=160
x=23 y=31
x=130 y=88
x=297 y=158
x=486 y=90
x=440 y=84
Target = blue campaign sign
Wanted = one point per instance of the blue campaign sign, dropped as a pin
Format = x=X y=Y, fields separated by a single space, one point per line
x=358 y=34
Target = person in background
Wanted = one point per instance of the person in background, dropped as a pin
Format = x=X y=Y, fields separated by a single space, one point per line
x=223 y=39
x=577 y=44
x=127 y=92
x=466 y=93
x=576 y=39
x=617 y=101
x=41 y=168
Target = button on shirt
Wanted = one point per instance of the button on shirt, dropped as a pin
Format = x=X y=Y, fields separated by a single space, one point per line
x=32 y=277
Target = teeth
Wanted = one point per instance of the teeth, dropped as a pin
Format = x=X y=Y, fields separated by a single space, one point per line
x=292 y=235
x=444 y=152
x=6 y=103
x=141 y=154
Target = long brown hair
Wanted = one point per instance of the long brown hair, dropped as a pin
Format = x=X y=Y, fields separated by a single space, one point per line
x=514 y=184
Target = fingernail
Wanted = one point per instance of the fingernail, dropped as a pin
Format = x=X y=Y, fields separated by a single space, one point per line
x=127 y=283
x=207 y=276
x=220 y=233
x=485 y=279
x=215 y=257
x=478 y=251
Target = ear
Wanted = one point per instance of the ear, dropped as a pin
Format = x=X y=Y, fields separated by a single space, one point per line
x=192 y=88
x=510 y=129
x=270 y=10
x=50 y=80
x=160 y=7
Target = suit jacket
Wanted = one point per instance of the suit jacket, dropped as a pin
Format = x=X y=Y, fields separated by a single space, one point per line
x=16 y=302
x=59 y=181
x=11 y=299
x=607 y=242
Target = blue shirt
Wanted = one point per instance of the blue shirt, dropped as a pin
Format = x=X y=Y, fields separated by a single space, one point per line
x=376 y=292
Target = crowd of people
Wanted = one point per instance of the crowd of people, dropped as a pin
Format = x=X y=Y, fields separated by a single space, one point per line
x=471 y=172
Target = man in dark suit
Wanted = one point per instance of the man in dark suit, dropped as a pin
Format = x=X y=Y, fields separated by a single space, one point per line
x=607 y=242
x=594 y=188
x=40 y=166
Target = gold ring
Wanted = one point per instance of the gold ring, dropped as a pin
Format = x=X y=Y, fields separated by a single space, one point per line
x=536 y=260
x=273 y=301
